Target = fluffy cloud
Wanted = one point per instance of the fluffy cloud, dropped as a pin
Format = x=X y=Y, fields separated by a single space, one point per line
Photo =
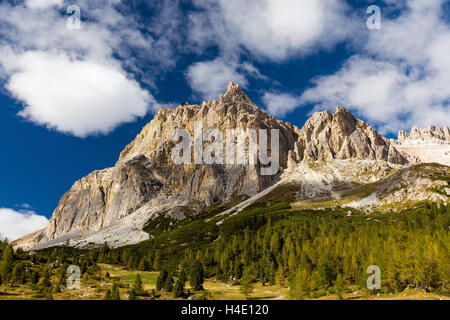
x=280 y=104
x=41 y=4
x=273 y=29
x=14 y=224
x=75 y=96
x=80 y=82
x=402 y=77
x=210 y=78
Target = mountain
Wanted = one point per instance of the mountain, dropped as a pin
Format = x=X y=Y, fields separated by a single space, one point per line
x=427 y=145
x=113 y=204
x=331 y=155
x=327 y=136
x=432 y=133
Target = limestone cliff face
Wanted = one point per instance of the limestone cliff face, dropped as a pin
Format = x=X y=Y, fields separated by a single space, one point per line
x=327 y=136
x=427 y=145
x=145 y=170
x=209 y=183
x=145 y=180
x=103 y=197
x=430 y=134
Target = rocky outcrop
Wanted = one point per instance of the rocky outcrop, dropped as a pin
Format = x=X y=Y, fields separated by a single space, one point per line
x=114 y=204
x=210 y=183
x=429 y=145
x=430 y=134
x=421 y=182
x=104 y=197
x=327 y=136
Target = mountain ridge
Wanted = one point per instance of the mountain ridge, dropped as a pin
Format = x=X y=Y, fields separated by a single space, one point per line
x=114 y=204
x=424 y=145
x=429 y=134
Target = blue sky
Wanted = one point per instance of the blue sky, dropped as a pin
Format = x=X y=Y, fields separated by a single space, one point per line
x=71 y=99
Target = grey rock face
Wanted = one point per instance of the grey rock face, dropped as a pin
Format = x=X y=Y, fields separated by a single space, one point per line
x=210 y=183
x=327 y=136
x=102 y=197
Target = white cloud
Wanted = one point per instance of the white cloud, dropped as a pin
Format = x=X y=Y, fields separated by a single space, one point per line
x=372 y=88
x=402 y=76
x=273 y=29
x=14 y=224
x=280 y=104
x=209 y=78
x=79 y=81
x=42 y=4
x=75 y=96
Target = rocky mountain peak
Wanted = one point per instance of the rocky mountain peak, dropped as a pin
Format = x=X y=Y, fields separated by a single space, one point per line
x=234 y=110
x=327 y=136
x=340 y=110
x=234 y=90
x=431 y=144
x=145 y=180
x=430 y=134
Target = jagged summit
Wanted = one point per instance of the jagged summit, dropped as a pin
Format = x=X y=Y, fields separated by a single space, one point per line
x=233 y=110
x=234 y=95
x=233 y=102
x=233 y=91
x=430 y=134
x=327 y=136
x=426 y=145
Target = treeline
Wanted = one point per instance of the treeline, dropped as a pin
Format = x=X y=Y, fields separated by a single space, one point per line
x=313 y=252
x=46 y=270
x=317 y=252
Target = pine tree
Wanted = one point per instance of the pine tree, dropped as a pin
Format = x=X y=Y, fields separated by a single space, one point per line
x=299 y=287
x=7 y=263
x=46 y=283
x=246 y=285
x=168 y=285
x=143 y=265
x=178 y=289
x=18 y=273
x=34 y=277
x=292 y=259
x=314 y=284
x=340 y=286
x=327 y=269
x=132 y=295
x=156 y=262
x=108 y=295
x=62 y=276
x=161 y=280
x=130 y=263
x=280 y=276
x=137 y=287
x=272 y=274
x=197 y=276
x=275 y=244
x=115 y=294
x=182 y=277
